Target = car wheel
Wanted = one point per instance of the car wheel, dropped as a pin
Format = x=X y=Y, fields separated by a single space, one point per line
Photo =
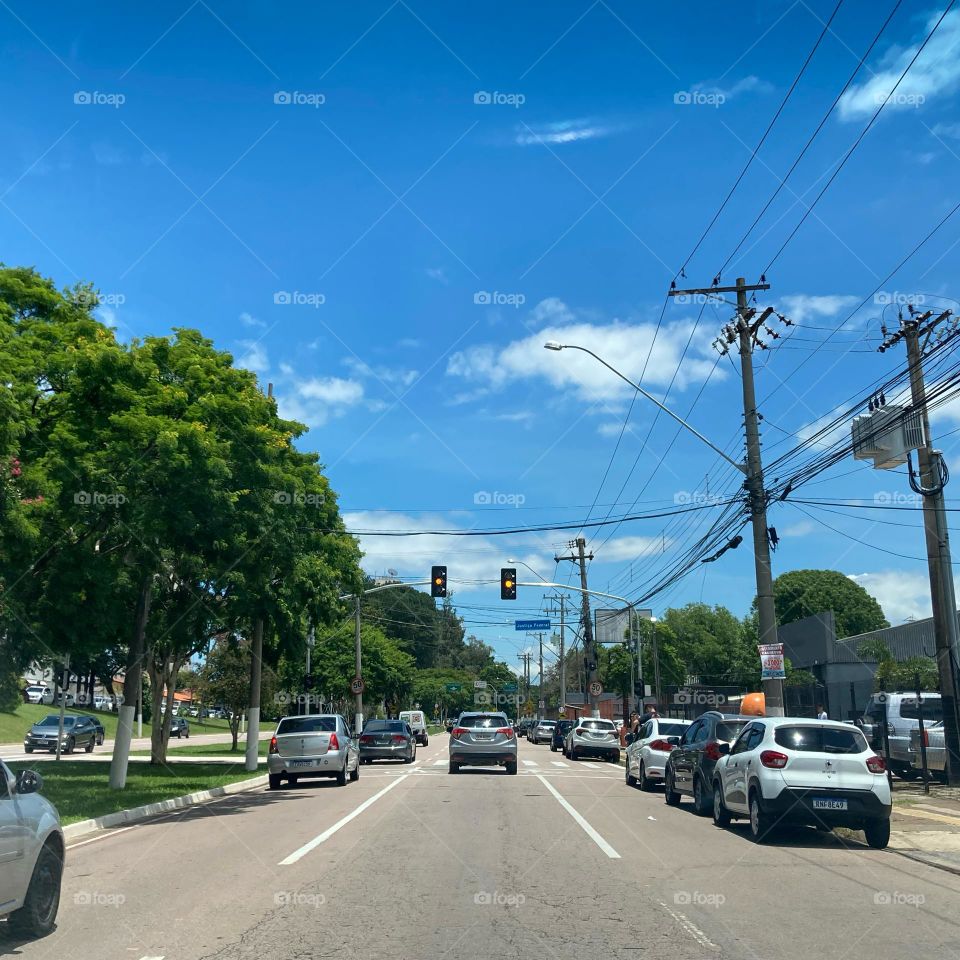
x=293 y=781
x=702 y=801
x=71 y=743
x=721 y=816
x=646 y=784
x=342 y=775
x=512 y=769
x=187 y=734
x=28 y=749
x=670 y=795
x=877 y=833
x=630 y=778
x=90 y=745
x=275 y=780
x=39 y=911
x=426 y=741
x=553 y=748
x=355 y=773
x=99 y=741
x=760 y=823
x=454 y=767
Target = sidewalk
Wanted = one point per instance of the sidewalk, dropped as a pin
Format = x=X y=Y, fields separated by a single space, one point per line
x=927 y=827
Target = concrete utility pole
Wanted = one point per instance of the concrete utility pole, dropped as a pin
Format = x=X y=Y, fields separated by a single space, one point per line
x=943 y=601
x=589 y=651
x=561 y=599
x=746 y=331
x=540 y=697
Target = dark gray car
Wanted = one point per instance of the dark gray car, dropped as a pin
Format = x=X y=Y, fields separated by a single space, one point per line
x=77 y=732
x=179 y=727
x=483 y=740
x=689 y=768
x=387 y=740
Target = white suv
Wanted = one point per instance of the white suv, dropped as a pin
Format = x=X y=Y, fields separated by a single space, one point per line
x=796 y=770
x=647 y=752
x=902 y=713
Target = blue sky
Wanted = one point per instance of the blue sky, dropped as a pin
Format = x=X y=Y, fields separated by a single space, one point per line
x=385 y=209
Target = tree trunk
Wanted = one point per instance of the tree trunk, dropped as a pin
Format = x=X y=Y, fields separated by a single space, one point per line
x=131 y=685
x=163 y=677
x=235 y=728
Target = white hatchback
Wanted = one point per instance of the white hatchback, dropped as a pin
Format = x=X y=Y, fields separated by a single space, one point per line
x=647 y=752
x=796 y=770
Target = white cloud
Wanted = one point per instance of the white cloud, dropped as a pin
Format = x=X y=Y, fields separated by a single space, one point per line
x=622 y=549
x=841 y=431
x=624 y=345
x=392 y=376
x=936 y=73
x=562 y=131
x=551 y=310
x=315 y=400
x=437 y=273
x=248 y=320
x=254 y=358
x=746 y=85
x=800 y=529
x=950 y=131
x=902 y=594
x=331 y=390
x=801 y=307
x=610 y=429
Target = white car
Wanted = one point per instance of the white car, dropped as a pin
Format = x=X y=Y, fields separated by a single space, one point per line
x=417 y=721
x=38 y=693
x=69 y=700
x=101 y=702
x=796 y=770
x=648 y=751
x=31 y=854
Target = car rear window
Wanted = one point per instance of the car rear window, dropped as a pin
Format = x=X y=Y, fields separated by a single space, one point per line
x=394 y=726
x=932 y=709
x=548 y=723
x=729 y=729
x=597 y=725
x=307 y=725
x=672 y=729
x=484 y=720
x=820 y=739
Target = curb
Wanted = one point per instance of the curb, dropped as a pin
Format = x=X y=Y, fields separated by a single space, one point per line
x=148 y=810
x=930 y=861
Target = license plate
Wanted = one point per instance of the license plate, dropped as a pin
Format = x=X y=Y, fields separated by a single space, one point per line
x=822 y=803
x=300 y=763
x=481 y=736
x=382 y=742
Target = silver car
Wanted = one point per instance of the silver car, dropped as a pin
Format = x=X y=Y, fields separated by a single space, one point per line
x=592 y=737
x=543 y=731
x=483 y=740
x=316 y=745
x=31 y=854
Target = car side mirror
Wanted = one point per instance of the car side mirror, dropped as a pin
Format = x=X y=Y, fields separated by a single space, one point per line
x=29 y=781
x=723 y=749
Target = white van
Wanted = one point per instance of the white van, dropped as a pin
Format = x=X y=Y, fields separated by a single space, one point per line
x=418 y=724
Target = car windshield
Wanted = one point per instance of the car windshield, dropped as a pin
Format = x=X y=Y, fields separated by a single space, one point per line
x=483 y=721
x=54 y=721
x=604 y=725
x=548 y=723
x=306 y=725
x=727 y=730
x=820 y=739
x=385 y=726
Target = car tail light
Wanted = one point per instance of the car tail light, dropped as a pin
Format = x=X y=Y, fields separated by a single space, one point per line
x=712 y=750
x=334 y=743
x=580 y=731
x=273 y=745
x=925 y=737
x=877 y=764
x=458 y=732
x=366 y=738
x=506 y=731
x=664 y=745
x=398 y=738
x=772 y=758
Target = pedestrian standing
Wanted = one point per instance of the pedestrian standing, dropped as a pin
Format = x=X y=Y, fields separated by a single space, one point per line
x=821 y=713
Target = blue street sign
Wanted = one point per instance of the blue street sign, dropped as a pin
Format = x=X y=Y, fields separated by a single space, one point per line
x=532 y=624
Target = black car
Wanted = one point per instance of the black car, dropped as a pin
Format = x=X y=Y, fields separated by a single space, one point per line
x=98 y=726
x=78 y=731
x=179 y=727
x=387 y=740
x=559 y=732
x=689 y=768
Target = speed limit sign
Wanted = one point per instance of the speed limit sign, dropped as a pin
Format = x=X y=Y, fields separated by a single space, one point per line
x=357 y=685
x=596 y=688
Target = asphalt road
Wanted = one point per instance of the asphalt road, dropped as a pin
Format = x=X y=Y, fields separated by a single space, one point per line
x=561 y=861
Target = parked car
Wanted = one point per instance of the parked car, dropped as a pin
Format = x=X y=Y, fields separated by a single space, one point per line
x=388 y=740
x=179 y=727
x=903 y=717
x=78 y=731
x=592 y=737
x=689 y=767
x=795 y=770
x=38 y=693
x=559 y=733
x=315 y=745
x=31 y=851
x=65 y=697
x=483 y=740
x=542 y=731
x=101 y=702
x=417 y=721
x=98 y=727
x=649 y=748
x=935 y=748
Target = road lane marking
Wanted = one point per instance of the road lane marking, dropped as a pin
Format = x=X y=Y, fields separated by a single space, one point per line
x=330 y=831
x=690 y=927
x=592 y=766
x=587 y=829
x=439 y=762
x=530 y=763
x=559 y=763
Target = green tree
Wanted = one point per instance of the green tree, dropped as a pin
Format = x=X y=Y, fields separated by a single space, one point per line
x=714 y=645
x=802 y=593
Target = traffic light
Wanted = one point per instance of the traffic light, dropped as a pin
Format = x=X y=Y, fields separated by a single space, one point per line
x=438 y=582
x=508 y=583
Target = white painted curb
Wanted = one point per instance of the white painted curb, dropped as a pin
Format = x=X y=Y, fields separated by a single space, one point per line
x=147 y=810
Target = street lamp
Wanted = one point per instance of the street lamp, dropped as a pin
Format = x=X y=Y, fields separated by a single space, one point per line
x=527 y=565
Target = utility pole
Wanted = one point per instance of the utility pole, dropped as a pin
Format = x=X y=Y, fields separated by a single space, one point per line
x=942 y=599
x=525 y=657
x=746 y=331
x=358 y=714
x=540 y=698
x=561 y=599
x=589 y=652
